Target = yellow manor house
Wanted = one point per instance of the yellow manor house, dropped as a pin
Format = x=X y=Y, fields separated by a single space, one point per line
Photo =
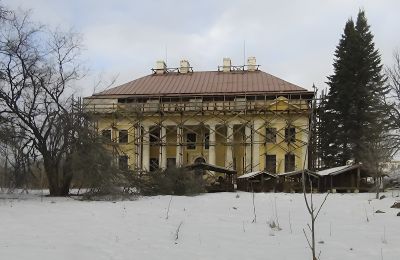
x=238 y=117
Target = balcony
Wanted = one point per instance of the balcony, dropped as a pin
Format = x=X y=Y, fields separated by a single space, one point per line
x=197 y=105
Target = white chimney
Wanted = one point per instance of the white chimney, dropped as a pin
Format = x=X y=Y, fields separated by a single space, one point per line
x=226 y=66
x=251 y=64
x=161 y=67
x=184 y=67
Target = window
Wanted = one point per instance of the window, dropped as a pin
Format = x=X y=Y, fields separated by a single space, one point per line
x=206 y=141
x=155 y=136
x=171 y=162
x=123 y=162
x=191 y=141
x=290 y=135
x=270 y=137
x=154 y=165
x=289 y=162
x=123 y=136
x=270 y=163
x=106 y=134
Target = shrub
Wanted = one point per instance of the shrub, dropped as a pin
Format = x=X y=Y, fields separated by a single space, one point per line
x=173 y=181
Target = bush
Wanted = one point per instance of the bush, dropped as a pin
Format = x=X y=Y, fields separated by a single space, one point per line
x=174 y=181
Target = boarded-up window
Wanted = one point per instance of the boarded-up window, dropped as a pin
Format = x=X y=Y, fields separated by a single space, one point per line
x=106 y=134
x=154 y=165
x=270 y=136
x=123 y=136
x=289 y=162
x=123 y=162
x=270 y=163
x=191 y=141
x=290 y=135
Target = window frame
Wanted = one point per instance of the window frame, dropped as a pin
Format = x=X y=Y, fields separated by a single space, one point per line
x=123 y=138
x=268 y=132
x=190 y=144
x=107 y=138
x=267 y=163
x=289 y=136
x=290 y=165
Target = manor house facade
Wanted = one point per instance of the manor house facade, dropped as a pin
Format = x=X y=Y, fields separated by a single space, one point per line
x=237 y=117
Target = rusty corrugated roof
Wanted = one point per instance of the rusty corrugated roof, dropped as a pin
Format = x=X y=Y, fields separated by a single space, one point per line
x=203 y=83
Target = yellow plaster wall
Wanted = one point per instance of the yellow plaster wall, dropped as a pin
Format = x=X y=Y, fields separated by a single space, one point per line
x=279 y=122
x=280 y=147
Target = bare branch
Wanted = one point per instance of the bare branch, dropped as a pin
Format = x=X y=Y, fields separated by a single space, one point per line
x=308 y=241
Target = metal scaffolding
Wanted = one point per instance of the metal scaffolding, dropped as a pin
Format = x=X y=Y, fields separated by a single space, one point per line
x=251 y=115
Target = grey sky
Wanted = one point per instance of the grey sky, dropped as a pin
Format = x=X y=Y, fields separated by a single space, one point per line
x=294 y=40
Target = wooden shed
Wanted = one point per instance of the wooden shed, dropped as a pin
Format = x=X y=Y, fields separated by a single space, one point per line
x=293 y=181
x=347 y=178
x=259 y=181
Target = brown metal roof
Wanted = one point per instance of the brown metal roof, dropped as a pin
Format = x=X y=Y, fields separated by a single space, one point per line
x=204 y=83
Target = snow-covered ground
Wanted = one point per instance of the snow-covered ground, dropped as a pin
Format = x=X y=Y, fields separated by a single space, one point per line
x=211 y=226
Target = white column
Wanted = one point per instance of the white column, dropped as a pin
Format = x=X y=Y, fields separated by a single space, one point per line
x=163 y=148
x=146 y=148
x=247 y=133
x=229 y=147
x=179 y=143
x=211 y=149
x=256 y=146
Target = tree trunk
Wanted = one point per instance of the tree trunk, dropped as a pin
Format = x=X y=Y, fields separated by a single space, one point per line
x=58 y=184
x=313 y=235
x=378 y=184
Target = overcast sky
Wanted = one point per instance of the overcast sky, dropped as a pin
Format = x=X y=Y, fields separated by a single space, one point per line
x=294 y=40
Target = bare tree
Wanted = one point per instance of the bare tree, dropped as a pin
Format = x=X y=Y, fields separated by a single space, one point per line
x=37 y=69
x=393 y=100
x=373 y=156
x=17 y=160
x=312 y=209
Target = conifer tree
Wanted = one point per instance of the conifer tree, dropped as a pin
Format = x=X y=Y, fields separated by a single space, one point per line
x=353 y=121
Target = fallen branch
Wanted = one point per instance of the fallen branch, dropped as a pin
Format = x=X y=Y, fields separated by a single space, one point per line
x=177 y=231
x=254 y=206
x=169 y=204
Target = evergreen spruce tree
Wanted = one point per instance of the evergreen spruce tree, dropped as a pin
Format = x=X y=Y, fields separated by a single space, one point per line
x=354 y=111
